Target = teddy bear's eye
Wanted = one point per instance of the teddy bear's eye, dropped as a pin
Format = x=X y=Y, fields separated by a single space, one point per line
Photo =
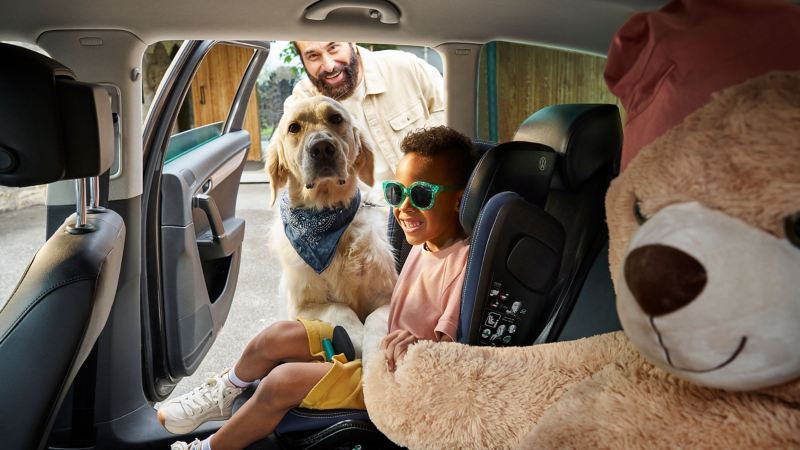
x=637 y=212
x=294 y=127
x=791 y=225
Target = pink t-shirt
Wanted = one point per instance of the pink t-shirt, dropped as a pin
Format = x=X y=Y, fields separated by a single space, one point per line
x=427 y=297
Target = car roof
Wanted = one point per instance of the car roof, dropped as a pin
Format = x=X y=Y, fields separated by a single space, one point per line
x=584 y=25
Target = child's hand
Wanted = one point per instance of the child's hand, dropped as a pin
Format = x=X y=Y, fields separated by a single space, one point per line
x=394 y=346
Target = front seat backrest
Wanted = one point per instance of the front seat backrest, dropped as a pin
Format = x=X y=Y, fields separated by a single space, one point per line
x=52 y=128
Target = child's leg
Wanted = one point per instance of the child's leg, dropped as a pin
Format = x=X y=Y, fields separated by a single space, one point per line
x=283 y=389
x=280 y=342
x=284 y=341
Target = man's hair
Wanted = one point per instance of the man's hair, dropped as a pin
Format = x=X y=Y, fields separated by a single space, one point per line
x=447 y=142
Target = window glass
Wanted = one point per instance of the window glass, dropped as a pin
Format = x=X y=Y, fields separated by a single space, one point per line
x=207 y=105
x=516 y=80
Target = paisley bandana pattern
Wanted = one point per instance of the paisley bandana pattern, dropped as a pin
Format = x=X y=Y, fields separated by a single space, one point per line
x=315 y=233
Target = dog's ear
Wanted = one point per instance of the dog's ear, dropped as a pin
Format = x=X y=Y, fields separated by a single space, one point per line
x=278 y=174
x=365 y=161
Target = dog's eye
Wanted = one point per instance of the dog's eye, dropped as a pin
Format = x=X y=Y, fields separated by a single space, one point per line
x=637 y=212
x=791 y=225
x=294 y=127
x=336 y=119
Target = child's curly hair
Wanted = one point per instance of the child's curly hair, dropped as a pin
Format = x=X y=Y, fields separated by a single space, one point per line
x=445 y=141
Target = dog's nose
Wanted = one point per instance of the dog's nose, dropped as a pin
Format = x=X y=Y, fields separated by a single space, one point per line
x=322 y=149
x=663 y=279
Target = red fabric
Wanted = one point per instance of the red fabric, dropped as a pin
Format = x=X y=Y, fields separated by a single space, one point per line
x=665 y=64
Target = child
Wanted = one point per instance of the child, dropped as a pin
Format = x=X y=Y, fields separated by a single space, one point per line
x=425 y=304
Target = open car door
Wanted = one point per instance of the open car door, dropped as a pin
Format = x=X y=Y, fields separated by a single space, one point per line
x=200 y=131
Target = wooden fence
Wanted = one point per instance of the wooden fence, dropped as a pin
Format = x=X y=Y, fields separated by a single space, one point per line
x=529 y=78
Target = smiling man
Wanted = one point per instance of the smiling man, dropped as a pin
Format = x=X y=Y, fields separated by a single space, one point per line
x=389 y=93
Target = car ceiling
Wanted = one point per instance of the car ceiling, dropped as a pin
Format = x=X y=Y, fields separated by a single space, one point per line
x=584 y=25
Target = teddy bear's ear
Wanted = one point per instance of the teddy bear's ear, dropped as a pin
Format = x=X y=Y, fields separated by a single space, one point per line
x=622 y=224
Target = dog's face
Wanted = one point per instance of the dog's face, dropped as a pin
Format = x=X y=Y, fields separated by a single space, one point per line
x=704 y=229
x=318 y=153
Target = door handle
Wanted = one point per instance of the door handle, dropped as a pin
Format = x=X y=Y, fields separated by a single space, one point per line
x=382 y=10
x=207 y=204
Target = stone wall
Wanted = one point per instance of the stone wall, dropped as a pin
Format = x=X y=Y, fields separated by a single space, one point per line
x=17 y=198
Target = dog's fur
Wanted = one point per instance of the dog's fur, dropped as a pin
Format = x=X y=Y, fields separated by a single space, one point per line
x=362 y=274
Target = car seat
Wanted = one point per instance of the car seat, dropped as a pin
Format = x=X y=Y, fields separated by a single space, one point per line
x=532 y=247
x=54 y=128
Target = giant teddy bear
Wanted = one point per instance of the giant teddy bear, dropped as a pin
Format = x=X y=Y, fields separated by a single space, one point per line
x=704 y=225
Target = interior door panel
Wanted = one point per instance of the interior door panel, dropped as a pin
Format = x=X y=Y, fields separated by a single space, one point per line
x=202 y=241
x=193 y=239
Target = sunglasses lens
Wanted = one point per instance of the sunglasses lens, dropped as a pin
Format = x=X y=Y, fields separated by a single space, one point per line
x=422 y=196
x=393 y=193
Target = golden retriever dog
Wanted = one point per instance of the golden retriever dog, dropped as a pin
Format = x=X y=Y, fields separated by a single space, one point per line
x=319 y=155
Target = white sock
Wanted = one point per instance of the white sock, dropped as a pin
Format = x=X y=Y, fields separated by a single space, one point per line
x=236 y=381
x=206 y=444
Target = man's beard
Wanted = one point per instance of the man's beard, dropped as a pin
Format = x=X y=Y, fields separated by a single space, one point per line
x=346 y=87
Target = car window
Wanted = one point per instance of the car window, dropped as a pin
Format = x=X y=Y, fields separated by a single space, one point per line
x=516 y=80
x=205 y=108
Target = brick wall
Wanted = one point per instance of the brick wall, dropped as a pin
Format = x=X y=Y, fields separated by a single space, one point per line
x=18 y=198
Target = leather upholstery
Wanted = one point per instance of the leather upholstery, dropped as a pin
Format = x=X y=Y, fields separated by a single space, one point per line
x=50 y=323
x=51 y=126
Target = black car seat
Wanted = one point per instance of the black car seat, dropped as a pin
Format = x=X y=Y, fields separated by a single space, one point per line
x=53 y=128
x=533 y=247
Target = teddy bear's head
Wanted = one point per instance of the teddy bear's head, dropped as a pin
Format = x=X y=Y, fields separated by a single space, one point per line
x=704 y=221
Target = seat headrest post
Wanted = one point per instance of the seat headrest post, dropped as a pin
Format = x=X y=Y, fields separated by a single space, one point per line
x=94 y=195
x=81 y=226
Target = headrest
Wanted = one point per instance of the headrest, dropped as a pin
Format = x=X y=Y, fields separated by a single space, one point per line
x=521 y=167
x=587 y=138
x=51 y=126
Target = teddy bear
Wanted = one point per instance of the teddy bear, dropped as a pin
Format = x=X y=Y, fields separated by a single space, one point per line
x=704 y=253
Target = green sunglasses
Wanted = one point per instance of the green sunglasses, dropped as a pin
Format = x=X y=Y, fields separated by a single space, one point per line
x=421 y=193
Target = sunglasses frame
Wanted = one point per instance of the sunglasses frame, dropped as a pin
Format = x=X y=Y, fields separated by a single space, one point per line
x=406 y=192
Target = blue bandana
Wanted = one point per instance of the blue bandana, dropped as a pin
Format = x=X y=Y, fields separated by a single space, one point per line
x=314 y=233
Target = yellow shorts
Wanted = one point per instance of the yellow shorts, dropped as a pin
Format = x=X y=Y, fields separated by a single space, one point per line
x=341 y=386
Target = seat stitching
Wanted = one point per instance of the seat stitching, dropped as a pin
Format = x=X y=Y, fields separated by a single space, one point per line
x=38 y=299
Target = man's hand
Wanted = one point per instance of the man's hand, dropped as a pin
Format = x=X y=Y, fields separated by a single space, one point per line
x=394 y=346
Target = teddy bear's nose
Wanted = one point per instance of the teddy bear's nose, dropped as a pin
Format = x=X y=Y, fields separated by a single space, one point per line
x=663 y=279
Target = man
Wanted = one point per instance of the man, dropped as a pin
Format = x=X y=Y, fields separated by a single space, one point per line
x=389 y=93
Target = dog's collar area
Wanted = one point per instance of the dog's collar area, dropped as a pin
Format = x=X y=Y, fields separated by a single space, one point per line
x=315 y=233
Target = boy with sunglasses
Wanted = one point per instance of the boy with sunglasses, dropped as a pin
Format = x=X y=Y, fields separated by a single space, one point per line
x=426 y=197
x=288 y=355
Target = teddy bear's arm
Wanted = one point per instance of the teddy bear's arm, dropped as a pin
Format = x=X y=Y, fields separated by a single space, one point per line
x=448 y=395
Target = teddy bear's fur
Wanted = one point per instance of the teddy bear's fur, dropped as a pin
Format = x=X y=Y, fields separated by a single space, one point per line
x=739 y=155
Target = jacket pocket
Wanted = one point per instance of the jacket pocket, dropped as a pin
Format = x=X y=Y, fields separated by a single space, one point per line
x=407 y=117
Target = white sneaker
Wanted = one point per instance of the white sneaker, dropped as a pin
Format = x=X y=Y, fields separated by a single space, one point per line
x=211 y=401
x=180 y=445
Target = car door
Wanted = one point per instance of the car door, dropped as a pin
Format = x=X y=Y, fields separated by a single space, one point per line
x=192 y=238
